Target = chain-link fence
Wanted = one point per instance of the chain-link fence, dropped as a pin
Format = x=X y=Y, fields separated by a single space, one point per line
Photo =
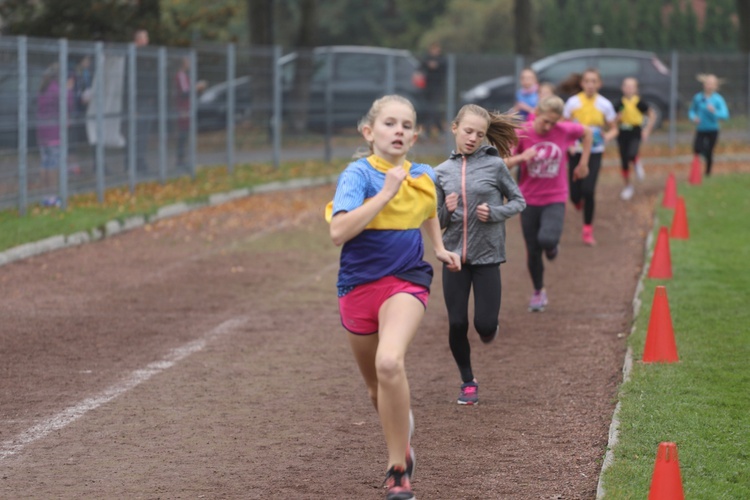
x=80 y=117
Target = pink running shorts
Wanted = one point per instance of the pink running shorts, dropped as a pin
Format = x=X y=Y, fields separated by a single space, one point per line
x=359 y=308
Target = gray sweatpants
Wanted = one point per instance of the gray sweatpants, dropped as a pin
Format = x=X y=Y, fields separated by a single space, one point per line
x=542 y=228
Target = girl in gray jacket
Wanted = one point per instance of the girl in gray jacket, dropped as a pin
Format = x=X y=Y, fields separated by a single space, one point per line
x=472 y=186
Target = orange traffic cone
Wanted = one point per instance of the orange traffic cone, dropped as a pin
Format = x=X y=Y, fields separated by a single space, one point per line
x=696 y=176
x=666 y=483
x=670 y=193
x=661 y=262
x=679 y=228
x=660 y=345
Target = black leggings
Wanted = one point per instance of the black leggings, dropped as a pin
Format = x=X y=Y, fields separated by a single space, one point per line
x=704 y=144
x=542 y=228
x=583 y=189
x=487 y=292
x=629 y=142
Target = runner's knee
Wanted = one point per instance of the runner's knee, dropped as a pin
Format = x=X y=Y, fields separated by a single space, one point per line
x=458 y=328
x=548 y=241
x=485 y=327
x=389 y=367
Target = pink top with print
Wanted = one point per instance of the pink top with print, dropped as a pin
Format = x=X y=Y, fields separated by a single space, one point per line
x=544 y=179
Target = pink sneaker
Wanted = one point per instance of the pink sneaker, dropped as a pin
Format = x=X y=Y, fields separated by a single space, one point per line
x=538 y=301
x=588 y=235
x=469 y=394
x=398 y=484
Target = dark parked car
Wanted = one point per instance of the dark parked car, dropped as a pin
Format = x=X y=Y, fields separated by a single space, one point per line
x=613 y=64
x=352 y=76
x=212 y=103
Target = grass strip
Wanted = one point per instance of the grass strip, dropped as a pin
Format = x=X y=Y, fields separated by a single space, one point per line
x=84 y=212
x=702 y=402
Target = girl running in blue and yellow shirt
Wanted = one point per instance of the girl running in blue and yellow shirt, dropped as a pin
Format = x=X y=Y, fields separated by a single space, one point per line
x=381 y=202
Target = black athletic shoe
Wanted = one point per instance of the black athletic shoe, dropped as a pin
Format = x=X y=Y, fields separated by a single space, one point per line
x=552 y=253
x=469 y=394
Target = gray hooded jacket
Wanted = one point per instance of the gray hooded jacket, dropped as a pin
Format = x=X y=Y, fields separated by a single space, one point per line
x=481 y=177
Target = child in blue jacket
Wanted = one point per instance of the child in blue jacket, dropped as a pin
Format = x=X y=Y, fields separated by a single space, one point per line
x=707 y=108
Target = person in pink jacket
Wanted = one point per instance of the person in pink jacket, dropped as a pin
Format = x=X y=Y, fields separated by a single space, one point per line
x=48 y=129
x=543 y=181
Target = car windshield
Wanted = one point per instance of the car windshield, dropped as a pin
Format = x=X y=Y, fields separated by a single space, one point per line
x=360 y=67
x=559 y=71
x=618 y=67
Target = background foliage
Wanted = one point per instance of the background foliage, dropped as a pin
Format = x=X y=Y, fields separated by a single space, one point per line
x=466 y=26
x=638 y=24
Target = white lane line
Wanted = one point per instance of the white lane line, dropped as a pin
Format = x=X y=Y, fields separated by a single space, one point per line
x=73 y=413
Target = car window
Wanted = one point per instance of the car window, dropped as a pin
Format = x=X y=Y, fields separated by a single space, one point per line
x=369 y=67
x=404 y=68
x=559 y=71
x=287 y=72
x=618 y=67
x=320 y=67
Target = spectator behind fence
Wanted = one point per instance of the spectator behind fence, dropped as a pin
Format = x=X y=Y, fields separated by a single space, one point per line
x=182 y=82
x=433 y=69
x=48 y=130
x=82 y=78
x=146 y=89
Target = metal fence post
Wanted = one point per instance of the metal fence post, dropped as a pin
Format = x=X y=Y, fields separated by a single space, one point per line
x=193 y=111
x=390 y=74
x=132 y=117
x=276 y=106
x=673 y=98
x=520 y=61
x=23 y=126
x=231 y=100
x=329 y=106
x=62 y=58
x=450 y=100
x=163 y=158
x=99 y=103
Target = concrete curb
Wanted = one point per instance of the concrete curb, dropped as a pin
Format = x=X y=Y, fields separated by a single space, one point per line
x=114 y=227
x=614 y=426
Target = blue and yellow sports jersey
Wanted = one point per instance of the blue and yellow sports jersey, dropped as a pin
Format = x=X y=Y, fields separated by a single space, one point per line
x=391 y=244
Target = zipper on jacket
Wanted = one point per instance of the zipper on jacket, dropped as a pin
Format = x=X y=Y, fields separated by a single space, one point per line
x=466 y=209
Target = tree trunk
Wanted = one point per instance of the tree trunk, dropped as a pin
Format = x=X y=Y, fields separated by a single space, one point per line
x=305 y=63
x=148 y=17
x=260 y=24
x=743 y=14
x=523 y=13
